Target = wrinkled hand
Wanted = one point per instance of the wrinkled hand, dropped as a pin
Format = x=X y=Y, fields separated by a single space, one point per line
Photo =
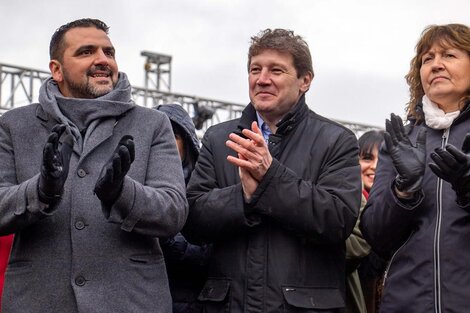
x=409 y=160
x=256 y=158
x=453 y=166
x=55 y=165
x=249 y=183
x=109 y=184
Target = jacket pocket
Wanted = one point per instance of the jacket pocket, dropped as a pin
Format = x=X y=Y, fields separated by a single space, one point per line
x=146 y=259
x=312 y=299
x=215 y=295
x=19 y=266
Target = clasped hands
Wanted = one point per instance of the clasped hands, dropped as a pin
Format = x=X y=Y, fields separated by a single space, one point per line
x=55 y=168
x=450 y=164
x=254 y=158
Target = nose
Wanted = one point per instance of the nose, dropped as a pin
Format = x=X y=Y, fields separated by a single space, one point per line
x=264 y=78
x=373 y=164
x=437 y=64
x=101 y=57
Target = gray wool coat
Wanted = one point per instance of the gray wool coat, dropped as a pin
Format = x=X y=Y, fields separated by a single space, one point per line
x=78 y=257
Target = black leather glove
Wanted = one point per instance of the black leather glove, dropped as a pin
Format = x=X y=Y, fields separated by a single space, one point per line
x=453 y=166
x=109 y=184
x=54 y=166
x=409 y=160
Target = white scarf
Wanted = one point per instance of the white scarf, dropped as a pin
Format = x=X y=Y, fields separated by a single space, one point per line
x=435 y=117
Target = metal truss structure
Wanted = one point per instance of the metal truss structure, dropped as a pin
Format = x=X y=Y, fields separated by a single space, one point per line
x=20 y=86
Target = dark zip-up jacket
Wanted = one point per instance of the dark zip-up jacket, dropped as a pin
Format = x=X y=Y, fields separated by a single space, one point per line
x=284 y=251
x=428 y=242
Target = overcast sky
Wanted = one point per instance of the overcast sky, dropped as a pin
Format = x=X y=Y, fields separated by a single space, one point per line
x=361 y=49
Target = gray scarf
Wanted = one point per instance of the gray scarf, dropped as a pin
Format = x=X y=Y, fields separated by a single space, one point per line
x=85 y=112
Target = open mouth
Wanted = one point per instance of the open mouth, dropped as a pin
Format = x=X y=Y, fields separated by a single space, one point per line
x=98 y=75
x=99 y=72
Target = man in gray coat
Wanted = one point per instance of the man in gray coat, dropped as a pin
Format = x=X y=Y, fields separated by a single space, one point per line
x=88 y=182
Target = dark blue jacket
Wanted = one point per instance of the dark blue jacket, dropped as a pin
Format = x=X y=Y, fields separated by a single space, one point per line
x=186 y=263
x=428 y=242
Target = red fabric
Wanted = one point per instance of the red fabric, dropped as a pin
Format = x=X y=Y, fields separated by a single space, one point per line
x=5 y=247
x=365 y=193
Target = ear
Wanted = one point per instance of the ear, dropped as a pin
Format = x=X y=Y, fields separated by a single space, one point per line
x=56 y=70
x=306 y=80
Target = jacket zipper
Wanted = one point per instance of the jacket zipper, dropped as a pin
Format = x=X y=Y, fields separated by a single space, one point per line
x=437 y=235
x=389 y=264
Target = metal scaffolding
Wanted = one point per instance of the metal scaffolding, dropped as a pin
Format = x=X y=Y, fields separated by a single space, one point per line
x=20 y=86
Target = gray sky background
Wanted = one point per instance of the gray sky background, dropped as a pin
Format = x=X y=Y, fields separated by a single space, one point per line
x=361 y=49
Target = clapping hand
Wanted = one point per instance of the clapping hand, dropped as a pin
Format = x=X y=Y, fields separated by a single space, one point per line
x=453 y=166
x=55 y=165
x=408 y=159
x=109 y=184
x=254 y=158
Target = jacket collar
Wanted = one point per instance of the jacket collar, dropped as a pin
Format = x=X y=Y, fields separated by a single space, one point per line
x=45 y=119
x=285 y=125
x=464 y=113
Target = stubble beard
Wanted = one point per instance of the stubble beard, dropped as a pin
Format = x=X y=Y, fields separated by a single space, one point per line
x=85 y=89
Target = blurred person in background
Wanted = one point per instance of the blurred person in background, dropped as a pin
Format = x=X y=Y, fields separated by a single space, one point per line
x=357 y=249
x=186 y=263
x=366 y=268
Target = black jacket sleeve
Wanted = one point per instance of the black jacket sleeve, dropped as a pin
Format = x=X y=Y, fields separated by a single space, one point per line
x=387 y=222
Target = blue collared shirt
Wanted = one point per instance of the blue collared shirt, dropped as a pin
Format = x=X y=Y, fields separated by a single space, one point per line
x=264 y=128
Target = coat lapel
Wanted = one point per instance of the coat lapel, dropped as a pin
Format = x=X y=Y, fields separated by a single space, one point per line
x=97 y=135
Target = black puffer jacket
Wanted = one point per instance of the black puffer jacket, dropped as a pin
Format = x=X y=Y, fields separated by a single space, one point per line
x=186 y=263
x=429 y=242
x=284 y=251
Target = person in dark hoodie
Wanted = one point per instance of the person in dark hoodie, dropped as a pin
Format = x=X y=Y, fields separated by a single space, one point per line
x=186 y=263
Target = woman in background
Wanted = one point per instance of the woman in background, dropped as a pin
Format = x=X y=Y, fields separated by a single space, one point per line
x=361 y=295
x=372 y=267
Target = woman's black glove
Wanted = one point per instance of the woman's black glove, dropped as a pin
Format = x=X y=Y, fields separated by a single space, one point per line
x=54 y=166
x=409 y=160
x=109 y=184
x=453 y=166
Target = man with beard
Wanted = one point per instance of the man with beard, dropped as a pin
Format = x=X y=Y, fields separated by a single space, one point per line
x=88 y=182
